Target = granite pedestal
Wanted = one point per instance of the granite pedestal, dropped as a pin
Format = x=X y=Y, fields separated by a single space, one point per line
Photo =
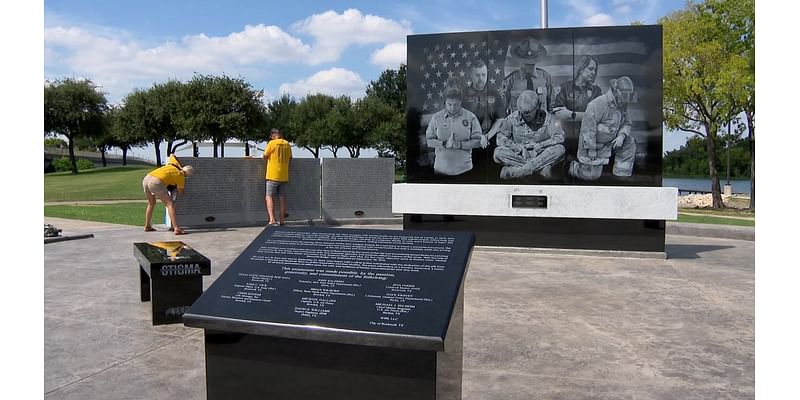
x=171 y=278
x=319 y=313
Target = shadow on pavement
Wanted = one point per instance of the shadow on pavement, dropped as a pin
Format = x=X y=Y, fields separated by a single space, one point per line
x=690 y=251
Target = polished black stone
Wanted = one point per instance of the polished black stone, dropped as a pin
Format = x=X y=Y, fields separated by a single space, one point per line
x=371 y=287
x=320 y=313
x=567 y=233
x=171 y=276
x=429 y=53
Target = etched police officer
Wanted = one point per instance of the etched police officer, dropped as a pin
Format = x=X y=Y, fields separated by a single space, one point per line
x=528 y=77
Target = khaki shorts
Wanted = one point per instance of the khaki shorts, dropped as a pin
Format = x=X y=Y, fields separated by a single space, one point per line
x=153 y=185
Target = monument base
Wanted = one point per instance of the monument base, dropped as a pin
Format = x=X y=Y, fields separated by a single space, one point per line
x=248 y=366
x=559 y=233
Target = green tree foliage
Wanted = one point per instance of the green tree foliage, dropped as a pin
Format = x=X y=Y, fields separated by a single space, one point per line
x=691 y=159
x=341 y=125
x=73 y=108
x=54 y=142
x=696 y=95
x=64 y=164
x=119 y=136
x=308 y=122
x=734 y=24
x=279 y=115
x=139 y=121
x=220 y=108
x=388 y=132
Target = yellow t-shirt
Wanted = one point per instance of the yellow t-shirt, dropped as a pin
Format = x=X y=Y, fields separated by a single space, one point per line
x=170 y=173
x=278 y=154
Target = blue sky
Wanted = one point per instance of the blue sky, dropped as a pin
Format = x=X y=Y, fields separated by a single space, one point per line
x=301 y=47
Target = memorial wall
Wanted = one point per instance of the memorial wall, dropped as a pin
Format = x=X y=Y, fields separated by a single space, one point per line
x=547 y=127
x=230 y=191
x=355 y=188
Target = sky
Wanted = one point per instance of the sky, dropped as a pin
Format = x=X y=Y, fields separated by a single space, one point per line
x=301 y=47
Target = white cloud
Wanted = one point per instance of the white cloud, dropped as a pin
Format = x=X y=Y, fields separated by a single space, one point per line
x=119 y=63
x=624 y=9
x=600 y=19
x=390 y=56
x=333 y=32
x=334 y=81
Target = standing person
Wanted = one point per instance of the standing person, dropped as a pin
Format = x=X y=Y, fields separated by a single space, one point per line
x=574 y=96
x=453 y=133
x=155 y=186
x=277 y=154
x=528 y=52
x=606 y=132
x=483 y=101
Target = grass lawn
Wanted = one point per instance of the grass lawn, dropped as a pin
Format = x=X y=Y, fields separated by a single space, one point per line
x=114 y=183
x=121 y=213
x=701 y=219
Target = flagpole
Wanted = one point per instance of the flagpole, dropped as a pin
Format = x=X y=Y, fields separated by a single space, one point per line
x=544 y=13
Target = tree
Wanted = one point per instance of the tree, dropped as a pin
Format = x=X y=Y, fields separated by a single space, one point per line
x=139 y=120
x=220 y=108
x=73 y=108
x=166 y=98
x=389 y=135
x=381 y=126
x=342 y=130
x=309 y=122
x=695 y=97
x=119 y=135
x=734 y=23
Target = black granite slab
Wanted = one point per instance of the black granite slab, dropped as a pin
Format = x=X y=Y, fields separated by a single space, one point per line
x=367 y=287
x=175 y=257
x=561 y=233
x=171 y=277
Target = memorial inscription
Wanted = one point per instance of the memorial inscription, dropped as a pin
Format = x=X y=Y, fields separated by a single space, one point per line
x=321 y=313
x=391 y=282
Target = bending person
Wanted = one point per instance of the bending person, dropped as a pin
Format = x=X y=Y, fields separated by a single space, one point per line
x=155 y=185
x=529 y=140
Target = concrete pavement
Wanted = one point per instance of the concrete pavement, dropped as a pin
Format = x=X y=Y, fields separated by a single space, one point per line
x=546 y=326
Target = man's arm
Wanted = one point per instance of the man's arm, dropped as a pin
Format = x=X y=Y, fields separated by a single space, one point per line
x=504 y=137
x=431 y=136
x=475 y=134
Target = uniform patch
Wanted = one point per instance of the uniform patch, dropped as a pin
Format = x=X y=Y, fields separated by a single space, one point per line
x=465 y=122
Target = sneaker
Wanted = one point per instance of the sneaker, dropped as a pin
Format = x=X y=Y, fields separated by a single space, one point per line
x=272 y=224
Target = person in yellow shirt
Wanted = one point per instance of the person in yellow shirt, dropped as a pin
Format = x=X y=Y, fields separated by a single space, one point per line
x=278 y=154
x=155 y=185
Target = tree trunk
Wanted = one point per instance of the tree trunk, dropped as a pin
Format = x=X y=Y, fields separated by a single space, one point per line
x=71 y=148
x=215 y=149
x=222 y=149
x=751 y=138
x=314 y=151
x=711 y=147
x=157 y=144
x=169 y=146
x=246 y=149
x=103 y=156
x=176 y=145
x=124 y=156
x=195 y=150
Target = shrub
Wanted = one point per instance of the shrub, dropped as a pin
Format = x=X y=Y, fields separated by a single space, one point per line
x=63 y=164
x=84 y=164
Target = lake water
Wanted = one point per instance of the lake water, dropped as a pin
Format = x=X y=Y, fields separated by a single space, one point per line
x=739 y=186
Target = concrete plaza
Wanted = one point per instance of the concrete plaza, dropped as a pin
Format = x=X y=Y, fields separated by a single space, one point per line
x=536 y=325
